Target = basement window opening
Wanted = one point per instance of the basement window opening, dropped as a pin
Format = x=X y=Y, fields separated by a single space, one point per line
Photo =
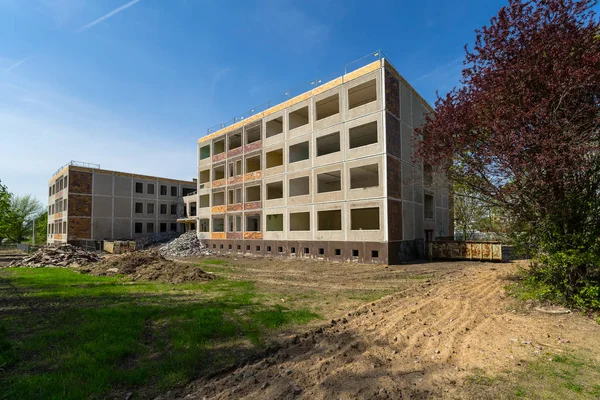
x=329 y=182
x=280 y=249
x=328 y=144
x=338 y=252
x=257 y=248
x=355 y=253
x=330 y=220
x=328 y=107
x=363 y=135
x=247 y=247
x=300 y=221
x=299 y=186
x=292 y=250
x=275 y=190
x=274 y=158
x=239 y=247
x=364 y=219
x=362 y=94
x=374 y=254
x=321 y=251
x=306 y=250
x=204 y=152
x=364 y=176
x=274 y=127
x=229 y=247
x=268 y=248
x=298 y=118
x=253 y=135
x=299 y=152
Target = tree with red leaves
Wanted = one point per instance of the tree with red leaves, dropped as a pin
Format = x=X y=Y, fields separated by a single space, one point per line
x=523 y=132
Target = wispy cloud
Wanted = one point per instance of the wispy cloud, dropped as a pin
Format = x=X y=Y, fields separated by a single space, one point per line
x=16 y=65
x=441 y=69
x=107 y=16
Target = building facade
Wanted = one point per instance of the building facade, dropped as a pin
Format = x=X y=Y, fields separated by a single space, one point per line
x=327 y=174
x=89 y=203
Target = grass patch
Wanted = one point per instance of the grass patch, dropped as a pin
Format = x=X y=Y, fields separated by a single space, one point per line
x=74 y=336
x=565 y=376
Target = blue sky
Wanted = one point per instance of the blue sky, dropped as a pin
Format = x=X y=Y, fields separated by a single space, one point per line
x=132 y=85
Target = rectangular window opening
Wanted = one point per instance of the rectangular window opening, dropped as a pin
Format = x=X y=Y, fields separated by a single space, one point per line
x=362 y=94
x=248 y=247
x=364 y=219
x=306 y=250
x=253 y=193
x=274 y=158
x=219 y=147
x=364 y=176
x=428 y=208
x=204 y=200
x=321 y=251
x=328 y=107
x=374 y=254
x=253 y=134
x=149 y=227
x=299 y=186
x=218 y=199
x=275 y=223
x=163 y=209
x=338 y=252
x=138 y=227
x=163 y=227
x=163 y=190
x=292 y=250
x=298 y=118
x=218 y=224
x=139 y=187
x=174 y=190
x=235 y=141
x=268 y=248
x=257 y=248
x=280 y=249
x=151 y=188
x=330 y=220
x=328 y=144
x=205 y=176
x=253 y=164
x=354 y=253
x=219 y=172
x=204 y=152
x=329 y=182
x=299 y=152
x=275 y=190
x=274 y=127
x=300 y=221
x=363 y=135
x=204 y=225
x=253 y=223
x=150 y=208
x=139 y=208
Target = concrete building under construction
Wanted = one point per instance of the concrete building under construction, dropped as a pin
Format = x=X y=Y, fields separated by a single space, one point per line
x=86 y=203
x=326 y=174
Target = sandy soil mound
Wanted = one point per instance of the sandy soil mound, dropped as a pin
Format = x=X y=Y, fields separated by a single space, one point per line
x=418 y=344
x=148 y=266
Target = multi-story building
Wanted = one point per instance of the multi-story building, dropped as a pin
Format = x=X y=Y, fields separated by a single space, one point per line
x=89 y=203
x=326 y=174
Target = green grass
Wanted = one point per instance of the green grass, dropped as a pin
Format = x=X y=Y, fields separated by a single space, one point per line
x=78 y=336
x=565 y=376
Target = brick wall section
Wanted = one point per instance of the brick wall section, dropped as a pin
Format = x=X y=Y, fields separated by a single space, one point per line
x=394 y=220
x=394 y=178
x=393 y=136
x=80 y=182
x=80 y=206
x=392 y=93
x=79 y=228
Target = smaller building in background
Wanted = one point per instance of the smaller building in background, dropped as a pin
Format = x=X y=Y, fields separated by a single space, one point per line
x=88 y=203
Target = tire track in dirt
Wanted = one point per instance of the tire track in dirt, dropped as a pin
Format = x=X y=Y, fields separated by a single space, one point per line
x=407 y=345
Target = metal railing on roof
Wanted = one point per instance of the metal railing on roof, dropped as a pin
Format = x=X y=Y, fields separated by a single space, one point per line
x=77 y=164
x=302 y=88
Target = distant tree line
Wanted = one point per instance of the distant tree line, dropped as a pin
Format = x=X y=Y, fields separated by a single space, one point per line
x=17 y=216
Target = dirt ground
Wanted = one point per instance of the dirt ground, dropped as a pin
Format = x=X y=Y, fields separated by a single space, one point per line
x=445 y=322
x=146 y=266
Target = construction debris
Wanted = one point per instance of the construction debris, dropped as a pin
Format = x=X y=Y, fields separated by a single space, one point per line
x=144 y=242
x=64 y=255
x=147 y=265
x=186 y=245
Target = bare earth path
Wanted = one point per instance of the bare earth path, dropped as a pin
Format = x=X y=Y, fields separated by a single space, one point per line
x=421 y=342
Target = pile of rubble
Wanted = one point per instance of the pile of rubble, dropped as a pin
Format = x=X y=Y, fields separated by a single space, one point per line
x=186 y=245
x=147 y=265
x=144 y=242
x=57 y=256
